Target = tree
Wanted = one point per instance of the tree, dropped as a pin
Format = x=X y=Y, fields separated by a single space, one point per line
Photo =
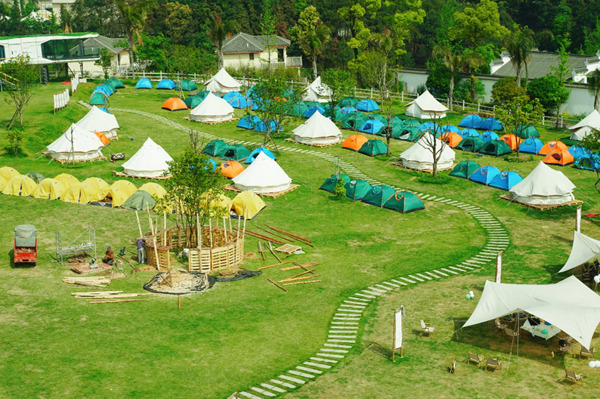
x=218 y=34
x=477 y=26
x=341 y=83
x=355 y=15
x=593 y=82
x=374 y=72
x=133 y=15
x=560 y=72
x=193 y=188
x=274 y=101
x=65 y=19
x=517 y=113
x=439 y=77
x=312 y=35
x=105 y=61
x=453 y=62
x=26 y=76
x=519 y=43
x=431 y=143
x=505 y=89
x=550 y=91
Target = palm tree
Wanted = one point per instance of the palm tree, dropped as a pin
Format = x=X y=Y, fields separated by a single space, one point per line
x=518 y=45
x=452 y=61
x=218 y=34
x=133 y=15
x=593 y=82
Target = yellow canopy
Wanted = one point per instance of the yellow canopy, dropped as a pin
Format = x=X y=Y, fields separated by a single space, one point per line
x=8 y=173
x=248 y=204
x=80 y=194
x=100 y=187
x=19 y=185
x=120 y=191
x=66 y=179
x=49 y=189
x=154 y=189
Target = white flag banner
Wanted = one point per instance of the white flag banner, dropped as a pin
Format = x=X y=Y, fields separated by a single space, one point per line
x=398 y=330
x=499 y=267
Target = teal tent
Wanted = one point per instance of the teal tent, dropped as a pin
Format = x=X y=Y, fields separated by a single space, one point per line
x=348 y=102
x=496 y=148
x=116 y=83
x=98 y=98
x=404 y=201
x=140 y=200
x=465 y=169
x=237 y=152
x=193 y=101
x=214 y=147
x=354 y=120
x=35 y=176
x=188 y=85
x=373 y=147
x=471 y=144
x=331 y=182
x=357 y=189
x=379 y=195
x=110 y=85
x=526 y=131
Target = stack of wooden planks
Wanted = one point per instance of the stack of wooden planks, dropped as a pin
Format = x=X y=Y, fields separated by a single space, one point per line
x=86 y=268
x=95 y=281
x=108 y=296
x=307 y=276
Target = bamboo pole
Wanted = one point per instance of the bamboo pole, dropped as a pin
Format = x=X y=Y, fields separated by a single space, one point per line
x=198 y=233
x=285 y=280
x=138 y=223
x=300 y=274
x=277 y=285
x=267 y=267
x=164 y=228
x=154 y=241
x=230 y=229
x=245 y=215
x=290 y=234
x=224 y=229
x=238 y=228
x=302 y=282
x=210 y=231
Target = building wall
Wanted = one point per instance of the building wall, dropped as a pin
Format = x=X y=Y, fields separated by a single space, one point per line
x=243 y=59
x=91 y=69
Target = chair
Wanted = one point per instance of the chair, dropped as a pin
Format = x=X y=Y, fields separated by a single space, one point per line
x=566 y=349
x=573 y=377
x=474 y=358
x=493 y=363
x=451 y=365
x=426 y=328
x=511 y=333
x=499 y=325
x=584 y=352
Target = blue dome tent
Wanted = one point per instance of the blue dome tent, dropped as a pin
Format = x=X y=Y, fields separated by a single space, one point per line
x=165 y=84
x=491 y=124
x=257 y=151
x=249 y=122
x=372 y=126
x=531 y=146
x=367 y=105
x=471 y=121
x=506 y=180
x=143 y=83
x=485 y=174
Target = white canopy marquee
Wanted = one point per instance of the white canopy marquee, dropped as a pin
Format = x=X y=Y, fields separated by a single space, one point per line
x=569 y=305
x=584 y=249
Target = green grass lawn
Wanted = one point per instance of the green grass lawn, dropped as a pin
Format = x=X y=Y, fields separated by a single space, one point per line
x=239 y=334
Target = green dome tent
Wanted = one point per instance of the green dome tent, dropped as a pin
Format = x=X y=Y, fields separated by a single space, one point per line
x=188 y=85
x=299 y=109
x=99 y=99
x=373 y=147
x=140 y=200
x=379 y=195
x=36 y=177
x=405 y=202
x=526 y=132
x=214 y=147
x=354 y=120
x=237 y=152
x=496 y=148
x=357 y=189
x=116 y=83
x=465 y=169
x=193 y=101
x=348 y=102
x=110 y=85
x=331 y=182
x=378 y=117
x=471 y=144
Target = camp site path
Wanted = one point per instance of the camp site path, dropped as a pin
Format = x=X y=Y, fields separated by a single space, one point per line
x=344 y=326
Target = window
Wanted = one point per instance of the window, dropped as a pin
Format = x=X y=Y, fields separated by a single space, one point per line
x=65 y=49
x=279 y=55
x=2 y=55
x=251 y=56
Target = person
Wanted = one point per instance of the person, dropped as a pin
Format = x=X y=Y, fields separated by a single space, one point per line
x=141 y=247
x=109 y=256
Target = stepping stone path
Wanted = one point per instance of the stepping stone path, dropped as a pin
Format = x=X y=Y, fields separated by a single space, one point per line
x=347 y=320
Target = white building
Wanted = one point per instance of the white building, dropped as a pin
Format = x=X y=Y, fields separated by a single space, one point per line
x=244 y=50
x=119 y=56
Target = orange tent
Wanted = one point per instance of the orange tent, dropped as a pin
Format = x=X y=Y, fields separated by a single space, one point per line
x=102 y=137
x=560 y=157
x=553 y=146
x=174 y=104
x=231 y=169
x=354 y=142
x=453 y=139
x=512 y=140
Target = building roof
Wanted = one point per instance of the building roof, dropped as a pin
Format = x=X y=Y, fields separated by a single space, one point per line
x=245 y=43
x=540 y=64
x=106 y=42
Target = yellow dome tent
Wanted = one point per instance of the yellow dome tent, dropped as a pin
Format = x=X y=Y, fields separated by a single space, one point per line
x=49 y=189
x=80 y=194
x=120 y=191
x=19 y=185
x=66 y=180
x=3 y=182
x=154 y=189
x=248 y=204
x=221 y=201
x=100 y=187
x=8 y=173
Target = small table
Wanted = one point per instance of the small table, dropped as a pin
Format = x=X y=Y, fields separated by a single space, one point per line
x=537 y=330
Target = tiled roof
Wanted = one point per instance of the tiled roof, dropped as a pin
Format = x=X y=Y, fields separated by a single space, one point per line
x=540 y=64
x=106 y=42
x=245 y=43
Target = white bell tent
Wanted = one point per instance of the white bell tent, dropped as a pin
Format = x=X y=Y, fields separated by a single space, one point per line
x=149 y=161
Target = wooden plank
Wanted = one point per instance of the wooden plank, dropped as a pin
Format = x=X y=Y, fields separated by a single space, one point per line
x=276 y=257
x=260 y=249
x=118 y=300
x=276 y=264
x=301 y=274
x=277 y=285
x=298 y=278
x=290 y=234
x=298 y=266
x=276 y=235
x=302 y=282
x=263 y=237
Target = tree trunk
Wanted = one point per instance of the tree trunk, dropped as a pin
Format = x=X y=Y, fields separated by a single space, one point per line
x=518 y=68
x=314 y=67
x=597 y=97
x=220 y=56
x=12 y=120
x=451 y=91
x=557 y=115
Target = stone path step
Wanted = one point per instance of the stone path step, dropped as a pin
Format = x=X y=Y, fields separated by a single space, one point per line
x=272 y=387
x=283 y=383
x=292 y=379
x=262 y=391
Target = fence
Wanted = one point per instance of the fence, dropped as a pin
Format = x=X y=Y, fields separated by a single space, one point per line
x=61 y=100
x=74 y=83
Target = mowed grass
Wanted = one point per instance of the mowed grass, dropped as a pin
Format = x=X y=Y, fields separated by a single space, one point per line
x=228 y=338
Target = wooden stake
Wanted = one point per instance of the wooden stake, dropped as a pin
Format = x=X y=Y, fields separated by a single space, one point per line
x=277 y=285
x=138 y=223
x=224 y=230
x=299 y=278
x=178 y=302
x=276 y=264
x=290 y=234
x=274 y=254
x=302 y=282
x=210 y=231
x=260 y=249
x=238 y=228
x=301 y=274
